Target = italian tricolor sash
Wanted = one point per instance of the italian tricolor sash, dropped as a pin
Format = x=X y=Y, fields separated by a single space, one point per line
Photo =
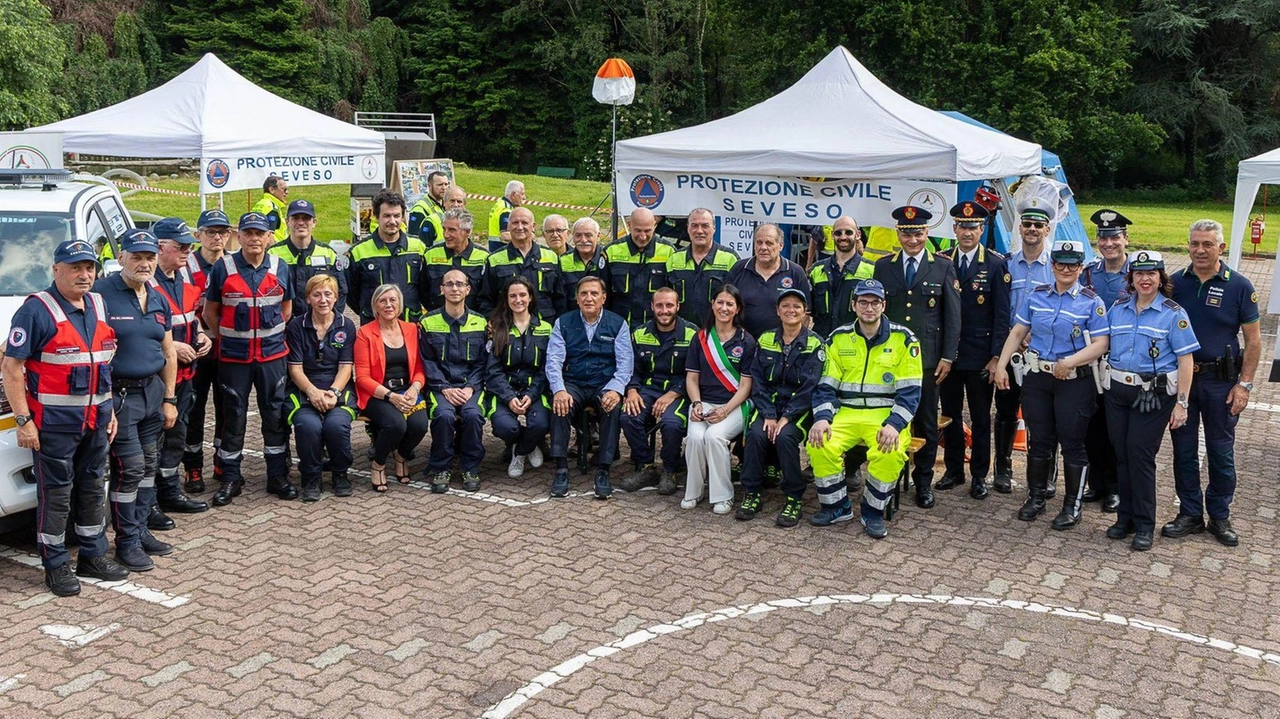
x=728 y=376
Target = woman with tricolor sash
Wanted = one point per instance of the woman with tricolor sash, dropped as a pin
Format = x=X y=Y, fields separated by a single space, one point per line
x=718 y=387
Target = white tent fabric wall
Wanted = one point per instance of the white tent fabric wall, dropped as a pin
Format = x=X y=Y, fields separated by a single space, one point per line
x=1252 y=175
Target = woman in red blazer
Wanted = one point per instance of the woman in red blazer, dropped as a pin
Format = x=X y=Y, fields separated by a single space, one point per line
x=389 y=379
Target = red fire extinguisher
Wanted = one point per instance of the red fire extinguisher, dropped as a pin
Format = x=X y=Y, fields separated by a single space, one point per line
x=1256 y=229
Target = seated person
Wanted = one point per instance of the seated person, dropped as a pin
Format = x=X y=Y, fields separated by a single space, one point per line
x=453 y=359
x=388 y=381
x=655 y=397
x=870 y=390
x=589 y=362
x=515 y=382
x=320 y=404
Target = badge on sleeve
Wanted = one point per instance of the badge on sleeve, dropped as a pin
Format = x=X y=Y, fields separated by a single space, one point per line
x=17 y=337
x=1101 y=312
x=956 y=285
x=600 y=262
x=822 y=355
x=1183 y=324
x=1254 y=298
x=1008 y=278
x=914 y=351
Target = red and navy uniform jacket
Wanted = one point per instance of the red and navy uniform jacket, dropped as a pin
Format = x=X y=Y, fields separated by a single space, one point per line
x=251 y=323
x=69 y=379
x=184 y=309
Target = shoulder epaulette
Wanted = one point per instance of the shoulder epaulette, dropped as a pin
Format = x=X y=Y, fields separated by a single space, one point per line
x=1168 y=302
x=1042 y=288
x=902 y=329
x=1088 y=292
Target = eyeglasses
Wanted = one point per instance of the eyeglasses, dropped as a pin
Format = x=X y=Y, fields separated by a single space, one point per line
x=217 y=233
x=869 y=303
x=455 y=284
x=843 y=233
x=557 y=230
x=1035 y=225
x=1066 y=267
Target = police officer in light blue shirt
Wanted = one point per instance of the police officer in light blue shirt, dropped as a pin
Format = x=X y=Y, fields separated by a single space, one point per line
x=1150 y=362
x=1068 y=330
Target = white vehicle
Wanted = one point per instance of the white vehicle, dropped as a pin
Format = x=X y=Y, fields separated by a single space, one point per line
x=38 y=210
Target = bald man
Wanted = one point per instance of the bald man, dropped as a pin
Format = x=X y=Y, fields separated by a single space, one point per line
x=528 y=259
x=635 y=268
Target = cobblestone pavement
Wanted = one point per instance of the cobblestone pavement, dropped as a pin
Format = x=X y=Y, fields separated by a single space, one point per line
x=410 y=604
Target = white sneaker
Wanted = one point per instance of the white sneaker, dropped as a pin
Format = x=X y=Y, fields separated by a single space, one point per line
x=516 y=468
x=535 y=457
x=722 y=507
x=688 y=503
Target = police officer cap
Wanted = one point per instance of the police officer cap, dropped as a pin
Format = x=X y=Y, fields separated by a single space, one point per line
x=793 y=292
x=137 y=240
x=1146 y=260
x=969 y=213
x=174 y=229
x=910 y=217
x=1068 y=252
x=869 y=287
x=1031 y=210
x=212 y=218
x=254 y=221
x=302 y=207
x=1110 y=223
x=74 y=251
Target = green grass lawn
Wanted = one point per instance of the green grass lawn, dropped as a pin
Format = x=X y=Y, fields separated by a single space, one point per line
x=1164 y=226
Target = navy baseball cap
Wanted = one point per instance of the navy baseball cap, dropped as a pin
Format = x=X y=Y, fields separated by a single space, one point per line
x=254 y=221
x=174 y=229
x=869 y=287
x=137 y=240
x=212 y=218
x=74 y=251
x=793 y=292
x=301 y=207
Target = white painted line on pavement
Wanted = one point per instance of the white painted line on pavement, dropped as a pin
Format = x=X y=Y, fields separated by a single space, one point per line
x=7 y=683
x=516 y=699
x=137 y=591
x=70 y=635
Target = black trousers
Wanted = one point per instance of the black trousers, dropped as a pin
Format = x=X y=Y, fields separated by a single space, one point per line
x=1136 y=438
x=173 y=440
x=1057 y=413
x=393 y=431
x=759 y=450
x=925 y=426
x=610 y=424
x=202 y=385
x=1103 y=472
x=958 y=385
x=267 y=380
x=1007 y=401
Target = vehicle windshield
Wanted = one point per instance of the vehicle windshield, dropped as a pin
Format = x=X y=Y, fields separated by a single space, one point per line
x=27 y=242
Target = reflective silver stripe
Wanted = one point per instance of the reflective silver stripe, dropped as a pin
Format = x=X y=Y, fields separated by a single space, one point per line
x=275 y=449
x=835 y=497
x=98 y=306
x=93 y=531
x=225 y=456
x=829 y=381
x=906 y=383
x=255 y=301
x=868 y=402
x=193 y=448
x=146 y=483
x=825 y=407
x=52 y=305
x=185 y=318
x=828 y=480
x=250 y=334
x=43 y=538
x=72 y=358
x=168 y=471
x=903 y=413
x=124 y=497
x=71 y=400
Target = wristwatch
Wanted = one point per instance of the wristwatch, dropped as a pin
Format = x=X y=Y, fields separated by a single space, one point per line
x=171 y=400
x=1184 y=403
x=22 y=419
x=1248 y=386
x=336 y=391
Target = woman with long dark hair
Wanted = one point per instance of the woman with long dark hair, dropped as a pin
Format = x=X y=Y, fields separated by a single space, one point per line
x=515 y=381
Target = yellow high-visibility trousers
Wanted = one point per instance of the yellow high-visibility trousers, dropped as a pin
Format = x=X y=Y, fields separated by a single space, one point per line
x=850 y=428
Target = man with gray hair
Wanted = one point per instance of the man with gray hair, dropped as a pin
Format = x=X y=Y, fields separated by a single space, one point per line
x=586 y=259
x=555 y=232
x=456 y=253
x=762 y=277
x=455 y=198
x=512 y=197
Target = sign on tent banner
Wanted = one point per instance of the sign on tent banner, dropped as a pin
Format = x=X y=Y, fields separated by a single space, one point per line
x=224 y=174
x=30 y=150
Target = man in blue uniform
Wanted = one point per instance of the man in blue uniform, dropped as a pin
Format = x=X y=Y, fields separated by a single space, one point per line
x=636 y=268
x=984 y=326
x=143 y=378
x=1221 y=304
x=522 y=256
x=584 y=259
x=67 y=423
x=697 y=272
x=306 y=257
x=761 y=277
x=455 y=251
x=213 y=230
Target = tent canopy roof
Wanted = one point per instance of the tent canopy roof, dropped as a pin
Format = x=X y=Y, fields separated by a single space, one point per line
x=1264 y=168
x=211 y=111
x=836 y=121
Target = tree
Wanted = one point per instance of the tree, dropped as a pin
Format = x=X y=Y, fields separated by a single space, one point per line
x=28 y=77
x=94 y=78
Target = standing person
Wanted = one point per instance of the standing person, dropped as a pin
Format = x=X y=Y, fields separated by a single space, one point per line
x=455 y=198
x=456 y=252
x=636 y=268
x=500 y=216
x=389 y=380
x=589 y=362
x=213 y=230
x=515 y=382
x=427 y=214
x=555 y=232
x=787 y=367
x=247 y=307
x=522 y=256
x=172 y=280
x=834 y=278
x=867 y=396
x=320 y=402
x=1221 y=304
x=761 y=277
x=275 y=193
x=1068 y=330
x=306 y=257
x=984 y=313
x=1026 y=269
x=387 y=256
x=1150 y=362
x=656 y=394
x=453 y=360
x=923 y=295
x=585 y=260
x=718 y=390
x=1106 y=276
x=143 y=375
x=697 y=272
x=57 y=334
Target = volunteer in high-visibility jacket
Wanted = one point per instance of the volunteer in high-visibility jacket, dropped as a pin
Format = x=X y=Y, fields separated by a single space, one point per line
x=306 y=257
x=697 y=272
x=522 y=256
x=213 y=230
x=584 y=259
x=869 y=392
x=427 y=214
x=275 y=193
x=835 y=277
x=512 y=197
x=455 y=252
x=387 y=256
x=636 y=268
x=247 y=306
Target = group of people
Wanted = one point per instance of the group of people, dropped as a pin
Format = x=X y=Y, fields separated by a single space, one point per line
x=690 y=354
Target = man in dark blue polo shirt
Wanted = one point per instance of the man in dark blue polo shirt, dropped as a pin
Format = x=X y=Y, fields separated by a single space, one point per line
x=762 y=277
x=143 y=376
x=1221 y=303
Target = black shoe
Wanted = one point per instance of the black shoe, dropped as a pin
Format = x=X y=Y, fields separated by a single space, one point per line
x=62 y=581
x=667 y=484
x=227 y=492
x=195 y=481
x=979 y=488
x=924 y=494
x=157 y=521
x=749 y=508
x=1141 y=542
x=104 y=568
x=470 y=482
x=1091 y=495
x=1037 y=475
x=948 y=481
x=1222 y=531
x=560 y=484
x=341 y=485
x=603 y=488
x=1003 y=483
x=1182 y=525
x=1119 y=530
x=176 y=501
x=1111 y=503
x=311 y=490
x=284 y=489
x=155 y=547
x=134 y=559
x=790 y=514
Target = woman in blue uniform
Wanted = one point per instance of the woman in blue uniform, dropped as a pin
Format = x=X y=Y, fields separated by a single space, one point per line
x=1150 y=364
x=515 y=382
x=1068 y=328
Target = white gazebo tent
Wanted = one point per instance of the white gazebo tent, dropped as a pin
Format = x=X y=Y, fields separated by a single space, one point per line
x=241 y=133
x=1252 y=175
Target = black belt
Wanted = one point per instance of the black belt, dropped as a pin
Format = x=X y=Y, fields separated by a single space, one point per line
x=395 y=384
x=128 y=383
x=1210 y=366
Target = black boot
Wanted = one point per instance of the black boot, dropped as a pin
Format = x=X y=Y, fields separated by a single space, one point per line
x=282 y=488
x=157 y=521
x=1051 y=482
x=1037 y=477
x=924 y=493
x=949 y=480
x=171 y=499
x=1070 y=514
x=1004 y=435
x=227 y=492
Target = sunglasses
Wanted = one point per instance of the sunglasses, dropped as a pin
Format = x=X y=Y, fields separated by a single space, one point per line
x=1035 y=225
x=843 y=233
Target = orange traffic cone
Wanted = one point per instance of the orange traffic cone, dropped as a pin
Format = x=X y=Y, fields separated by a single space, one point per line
x=1020 y=437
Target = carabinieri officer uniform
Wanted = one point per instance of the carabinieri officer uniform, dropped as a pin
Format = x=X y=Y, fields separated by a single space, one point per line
x=143 y=374
x=1150 y=336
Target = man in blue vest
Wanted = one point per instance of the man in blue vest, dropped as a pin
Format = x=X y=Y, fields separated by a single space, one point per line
x=589 y=362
